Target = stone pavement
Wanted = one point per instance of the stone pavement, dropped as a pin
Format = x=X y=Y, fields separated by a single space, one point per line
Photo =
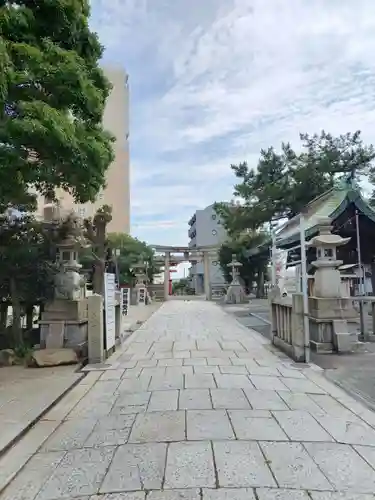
x=197 y=407
x=25 y=394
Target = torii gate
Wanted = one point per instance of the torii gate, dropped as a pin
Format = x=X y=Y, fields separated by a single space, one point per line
x=189 y=254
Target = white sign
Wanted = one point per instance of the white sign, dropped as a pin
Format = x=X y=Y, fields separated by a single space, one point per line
x=110 y=312
x=141 y=296
x=125 y=293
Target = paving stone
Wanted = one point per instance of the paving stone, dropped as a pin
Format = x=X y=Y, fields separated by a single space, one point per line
x=265 y=400
x=336 y=495
x=112 y=375
x=80 y=472
x=107 y=437
x=302 y=401
x=136 y=467
x=193 y=494
x=189 y=465
x=348 y=431
x=219 y=361
x=265 y=371
x=214 y=370
x=368 y=453
x=158 y=426
x=158 y=371
x=181 y=354
x=170 y=362
x=291 y=373
x=237 y=370
x=229 y=494
x=266 y=383
x=293 y=467
x=296 y=385
x=185 y=345
x=241 y=464
x=133 y=399
x=134 y=495
x=162 y=346
x=208 y=345
x=299 y=425
x=344 y=468
x=71 y=434
x=178 y=371
x=229 y=399
x=195 y=399
x=113 y=422
x=248 y=425
x=132 y=372
x=162 y=355
x=195 y=362
x=134 y=384
x=28 y=482
x=199 y=381
x=163 y=400
x=147 y=363
x=166 y=382
x=90 y=409
x=272 y=494
x=332 y=406
x=233 y=382
x=234 y=345
x=208 y=424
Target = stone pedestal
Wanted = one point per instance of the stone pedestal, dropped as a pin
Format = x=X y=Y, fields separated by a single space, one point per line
x=329 y=311
x=328 y=318
x=64 y=324
x=96 y=352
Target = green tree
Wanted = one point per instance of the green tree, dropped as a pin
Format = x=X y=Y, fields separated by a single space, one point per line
x=27 y=271
x=284 y=182
x=52 y=100
x=254 y=268
x=132 y=251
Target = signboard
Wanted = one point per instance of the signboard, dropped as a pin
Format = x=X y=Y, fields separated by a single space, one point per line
x=141 y=296
x=125 y=295
x=110 y=312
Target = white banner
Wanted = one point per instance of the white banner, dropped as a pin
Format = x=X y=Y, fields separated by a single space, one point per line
x=125 y=295
x=110 y=312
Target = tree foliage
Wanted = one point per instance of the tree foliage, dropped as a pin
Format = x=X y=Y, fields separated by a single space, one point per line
x=132 y=251
x=284 y=182
x=52 y=100
x=253 y=269
x=27 y=271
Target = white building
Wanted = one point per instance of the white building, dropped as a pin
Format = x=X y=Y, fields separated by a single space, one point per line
x=206 y=230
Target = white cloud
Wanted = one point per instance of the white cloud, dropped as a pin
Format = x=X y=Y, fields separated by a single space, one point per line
x=212 y=82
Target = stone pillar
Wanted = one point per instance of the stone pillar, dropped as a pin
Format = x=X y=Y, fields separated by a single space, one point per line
x=95 y=329
x=166 y=275
x=206 y=276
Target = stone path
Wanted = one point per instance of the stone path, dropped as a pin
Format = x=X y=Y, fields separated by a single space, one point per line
x=197 y=407
x=26 y=393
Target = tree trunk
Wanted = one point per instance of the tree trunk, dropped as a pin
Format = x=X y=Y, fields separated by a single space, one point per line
x=16 y=306
x=98 y=277
x=3 y=315
x=260 y=285
x=29 y=317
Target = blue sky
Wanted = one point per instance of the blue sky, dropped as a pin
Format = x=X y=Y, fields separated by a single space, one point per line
x=214 y=81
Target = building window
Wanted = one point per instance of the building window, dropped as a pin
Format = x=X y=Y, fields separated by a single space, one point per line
x=214 y=232
x=213 y=216
x=82 y=212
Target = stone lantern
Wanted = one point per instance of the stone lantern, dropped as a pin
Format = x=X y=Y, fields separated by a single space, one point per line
x=327 y=279
x=235 y=294
x=69 y=281
x=329 y=311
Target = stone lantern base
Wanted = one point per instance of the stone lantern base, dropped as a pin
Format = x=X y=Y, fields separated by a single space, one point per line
x=330 y=320
x=64 y=324
x=235 y=294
